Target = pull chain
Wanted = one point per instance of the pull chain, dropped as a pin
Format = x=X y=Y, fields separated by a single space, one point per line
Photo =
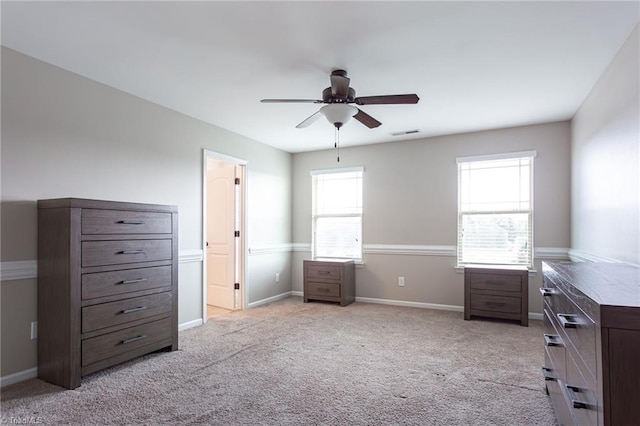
x=337 y=142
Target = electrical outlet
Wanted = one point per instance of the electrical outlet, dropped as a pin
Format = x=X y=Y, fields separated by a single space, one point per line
x=277 y=277
x=401 y=281
x=34 y=330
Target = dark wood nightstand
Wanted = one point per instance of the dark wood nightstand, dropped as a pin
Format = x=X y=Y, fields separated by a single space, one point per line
x=330 y=280
x=497 y=293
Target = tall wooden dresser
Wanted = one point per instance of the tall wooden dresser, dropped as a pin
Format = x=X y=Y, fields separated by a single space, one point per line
x=107 y=285
x=592 y=342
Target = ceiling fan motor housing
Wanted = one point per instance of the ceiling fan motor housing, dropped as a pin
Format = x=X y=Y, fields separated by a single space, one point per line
x=327 y=96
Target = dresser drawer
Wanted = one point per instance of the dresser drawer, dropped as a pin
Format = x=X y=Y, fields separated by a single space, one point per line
x=122 y=311
x=126 y=281
x=112 y=344
x=323 y=272
x=580 y=394
x=580 y=330
x=99 y=253
x=125 y=222
x=553 y=384
x=510 y=283
x=322 y=289
x=485 y=302
x=554 y=346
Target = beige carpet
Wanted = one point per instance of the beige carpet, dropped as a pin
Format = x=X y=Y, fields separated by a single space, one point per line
x=291 y=363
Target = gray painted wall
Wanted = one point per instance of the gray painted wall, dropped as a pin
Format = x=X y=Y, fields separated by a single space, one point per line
x=606 y=162
x=66 y=136
x=410 y=200
x=63 y=135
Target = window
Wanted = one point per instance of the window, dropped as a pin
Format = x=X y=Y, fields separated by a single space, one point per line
x=337 y=213
x=495 y=209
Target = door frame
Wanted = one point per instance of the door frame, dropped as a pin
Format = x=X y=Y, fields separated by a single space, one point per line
x=241 y=263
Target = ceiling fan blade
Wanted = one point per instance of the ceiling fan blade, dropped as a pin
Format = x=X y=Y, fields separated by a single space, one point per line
x=291 y=101
x=387 y=99
x=339 y=84
x=309 y=120
x=366 y=119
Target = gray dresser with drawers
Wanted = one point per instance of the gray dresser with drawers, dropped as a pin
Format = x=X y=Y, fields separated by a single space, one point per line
x=592 y=342
x=107 y=285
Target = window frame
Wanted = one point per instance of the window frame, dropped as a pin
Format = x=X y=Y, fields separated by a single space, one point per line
x=523 y=155
x=315 y=216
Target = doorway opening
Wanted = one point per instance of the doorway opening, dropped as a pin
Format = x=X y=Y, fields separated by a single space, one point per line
x=223 y=271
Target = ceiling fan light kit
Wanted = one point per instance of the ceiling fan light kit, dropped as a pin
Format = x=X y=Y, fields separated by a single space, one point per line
x=338 y=114
x=338 y=98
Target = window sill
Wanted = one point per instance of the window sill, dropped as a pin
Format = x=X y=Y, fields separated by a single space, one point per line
x=460 y=269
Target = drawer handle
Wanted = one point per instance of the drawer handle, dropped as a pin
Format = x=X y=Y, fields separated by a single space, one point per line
x=490 y=282
x=131 y=222
x=568 y=320
x=133 y=339
x=548 y=374
x=547 y=291
x=552 y=340
x=131 y=252
x=324 y=290
x=577 y=403
x=137 y=280
x=495 y=304
x=324 y=272
x=132 y=310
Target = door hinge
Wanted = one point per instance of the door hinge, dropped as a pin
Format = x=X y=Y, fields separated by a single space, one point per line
x=236 y=234
x=237 y=181
x=236 y=286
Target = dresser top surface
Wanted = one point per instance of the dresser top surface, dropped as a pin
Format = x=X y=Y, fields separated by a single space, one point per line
x=607 y=284
x=329 y=260
x=103 y=204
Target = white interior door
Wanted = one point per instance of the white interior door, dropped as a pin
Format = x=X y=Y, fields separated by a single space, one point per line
x=220 y=245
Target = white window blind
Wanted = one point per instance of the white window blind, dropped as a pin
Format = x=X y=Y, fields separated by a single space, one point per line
x=337 y=213
x=495 y=209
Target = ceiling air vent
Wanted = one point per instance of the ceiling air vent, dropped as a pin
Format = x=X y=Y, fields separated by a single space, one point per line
x=405 y=132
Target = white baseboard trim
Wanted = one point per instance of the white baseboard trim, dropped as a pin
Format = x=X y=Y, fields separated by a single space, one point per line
x=410 y=304
x=18 y=377
x=453 y=308
x=269 y=299
x=297 y=293
x=535 y=316
x=190 y=324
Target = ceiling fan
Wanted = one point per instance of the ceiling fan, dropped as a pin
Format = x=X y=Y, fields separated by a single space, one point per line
x=339 y=98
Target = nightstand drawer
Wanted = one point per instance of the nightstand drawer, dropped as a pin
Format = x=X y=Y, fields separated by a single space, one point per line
x=496 y=282
x=98 y=253
x=483 y=302
x=96 y=221
x=323 y=272
x=126 y=281
x=322 y=289
x=122 y=311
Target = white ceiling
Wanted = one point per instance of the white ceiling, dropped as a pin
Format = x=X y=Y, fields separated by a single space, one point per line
x=474 y=65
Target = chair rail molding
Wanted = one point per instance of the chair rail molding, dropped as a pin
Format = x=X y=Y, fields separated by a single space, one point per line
x=19 y=270
x=28 y=269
